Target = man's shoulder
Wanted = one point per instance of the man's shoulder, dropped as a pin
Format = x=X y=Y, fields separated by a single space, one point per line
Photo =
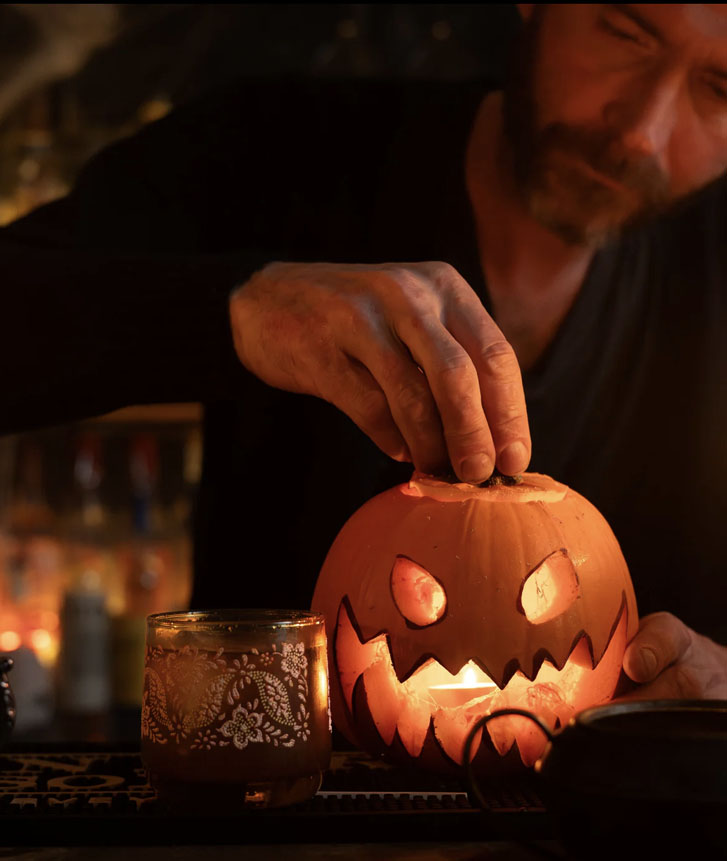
x=246 y=99
x=273 y=120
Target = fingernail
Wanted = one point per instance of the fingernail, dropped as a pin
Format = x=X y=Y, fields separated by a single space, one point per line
x=649 y=663
x=513 y=458
x=476 y=468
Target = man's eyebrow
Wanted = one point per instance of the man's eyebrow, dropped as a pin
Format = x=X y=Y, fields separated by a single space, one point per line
x=638 y=19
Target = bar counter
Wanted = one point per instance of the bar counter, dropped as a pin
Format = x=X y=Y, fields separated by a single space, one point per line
x=59 y=803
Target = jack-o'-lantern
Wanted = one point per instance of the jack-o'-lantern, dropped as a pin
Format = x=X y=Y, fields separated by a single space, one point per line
x=444 y=602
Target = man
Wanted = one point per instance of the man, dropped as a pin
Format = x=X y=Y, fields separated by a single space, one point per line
x=570 y=229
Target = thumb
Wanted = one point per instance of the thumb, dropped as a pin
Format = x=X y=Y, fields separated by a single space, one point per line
x=661 y=641
x=640 y=662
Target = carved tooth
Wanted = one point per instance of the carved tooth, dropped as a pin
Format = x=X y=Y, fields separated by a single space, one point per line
x=353 y=654
x=450 y=728
x=384 y=698
x=413 y=721
x=511 y=669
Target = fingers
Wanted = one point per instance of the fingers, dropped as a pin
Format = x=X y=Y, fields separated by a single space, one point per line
x=500 y=383
x=406 y=393
x=683 y=682
x=474 y=376
x=671 y=661
x=662 y=641
x=405 y=350
x=351 y=388
x=452 y=380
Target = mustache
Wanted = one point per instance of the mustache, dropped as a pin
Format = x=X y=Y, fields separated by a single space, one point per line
x=606 y=153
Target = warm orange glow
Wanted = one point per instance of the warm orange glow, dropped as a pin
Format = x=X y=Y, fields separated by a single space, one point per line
x=410 y=707
x=49 y=620
x=40 y=639
x=45 y=644
x=471 y=683
x=523 y=585
x=418 y=595
x=9 y=641
x=550 y=589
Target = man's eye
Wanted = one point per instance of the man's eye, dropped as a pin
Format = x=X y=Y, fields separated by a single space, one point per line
x=613 y=30
x=718 y=90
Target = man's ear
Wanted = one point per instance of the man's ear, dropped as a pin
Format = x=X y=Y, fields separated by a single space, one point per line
x=525 y=10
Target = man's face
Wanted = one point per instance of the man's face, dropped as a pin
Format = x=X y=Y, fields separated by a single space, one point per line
x=616 y=111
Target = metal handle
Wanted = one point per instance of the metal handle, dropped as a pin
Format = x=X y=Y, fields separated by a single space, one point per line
x=478 y=725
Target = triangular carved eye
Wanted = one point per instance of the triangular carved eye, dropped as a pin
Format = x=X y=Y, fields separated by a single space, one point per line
x=550 y=589
x=418 y=595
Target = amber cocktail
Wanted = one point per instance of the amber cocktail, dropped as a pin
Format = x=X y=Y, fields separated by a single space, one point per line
x=235 y=708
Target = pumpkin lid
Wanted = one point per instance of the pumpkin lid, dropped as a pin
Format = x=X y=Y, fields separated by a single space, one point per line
x=531 y=487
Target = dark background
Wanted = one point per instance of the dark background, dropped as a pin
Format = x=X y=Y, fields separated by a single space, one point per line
x=179 y=50
x=75 y=77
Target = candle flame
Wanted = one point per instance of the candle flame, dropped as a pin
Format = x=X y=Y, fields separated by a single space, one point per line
x=469 y=679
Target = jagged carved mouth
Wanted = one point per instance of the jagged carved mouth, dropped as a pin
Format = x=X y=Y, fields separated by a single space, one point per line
x=434 y=700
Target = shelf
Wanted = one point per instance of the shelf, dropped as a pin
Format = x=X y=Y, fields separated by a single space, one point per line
x=154 y=414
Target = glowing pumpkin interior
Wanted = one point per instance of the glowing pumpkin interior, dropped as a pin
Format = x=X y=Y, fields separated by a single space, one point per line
x=445 y=602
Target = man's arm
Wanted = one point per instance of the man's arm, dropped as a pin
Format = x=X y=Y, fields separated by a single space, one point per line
x=117 y=315
x=110 y=297
x=86 y=333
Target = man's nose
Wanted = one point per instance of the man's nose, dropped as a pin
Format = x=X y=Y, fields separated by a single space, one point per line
x=645 y=116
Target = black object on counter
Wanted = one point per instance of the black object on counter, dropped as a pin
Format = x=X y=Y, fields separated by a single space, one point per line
x=634 y=779
x=7 y=701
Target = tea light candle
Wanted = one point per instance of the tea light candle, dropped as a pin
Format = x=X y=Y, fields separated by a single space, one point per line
x=448 y=696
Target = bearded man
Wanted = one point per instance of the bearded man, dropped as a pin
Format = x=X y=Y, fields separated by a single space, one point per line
x=358 y=276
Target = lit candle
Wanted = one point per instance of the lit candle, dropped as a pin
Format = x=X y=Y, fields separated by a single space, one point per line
x=458 y=694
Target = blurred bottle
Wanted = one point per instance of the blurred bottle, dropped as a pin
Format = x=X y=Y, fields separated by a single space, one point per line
x=147 y=561
x=31 y=583
x=33 y=558
x=87 y=528
x=83 y=681
x=178 y=525
x=83 y=678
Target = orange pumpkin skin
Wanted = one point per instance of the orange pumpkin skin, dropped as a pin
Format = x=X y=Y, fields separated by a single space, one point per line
x=524 y=584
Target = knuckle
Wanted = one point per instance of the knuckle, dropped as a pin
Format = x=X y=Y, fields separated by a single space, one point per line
x=458 y=378
x=498 y=359
x=403 y=276
x=443 y=273
x=414 y=402
x=372 y=410
x=459 y=382
x=663 y=617
x=467 y=437
x=414 y=292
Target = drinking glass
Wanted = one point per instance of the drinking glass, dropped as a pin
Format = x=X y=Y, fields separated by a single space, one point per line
x=235 y=709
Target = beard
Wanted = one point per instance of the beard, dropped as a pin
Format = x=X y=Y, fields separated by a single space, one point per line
x=582 y=183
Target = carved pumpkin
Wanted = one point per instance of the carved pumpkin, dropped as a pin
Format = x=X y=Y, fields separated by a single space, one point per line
x=444 y=602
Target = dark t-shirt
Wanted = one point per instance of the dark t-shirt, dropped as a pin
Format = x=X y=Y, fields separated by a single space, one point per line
x=118 y=295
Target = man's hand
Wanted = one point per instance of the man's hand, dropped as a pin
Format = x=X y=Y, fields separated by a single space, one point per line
x=405 y=350
x=671 y=661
